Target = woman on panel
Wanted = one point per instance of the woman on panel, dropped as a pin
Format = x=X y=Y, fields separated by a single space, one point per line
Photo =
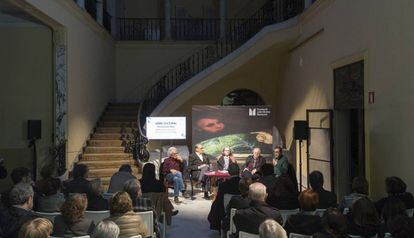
x=225 y=159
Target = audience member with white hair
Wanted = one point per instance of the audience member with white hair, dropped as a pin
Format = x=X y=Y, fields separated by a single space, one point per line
x=249 y=219
x=271 y=229
x=106 y=229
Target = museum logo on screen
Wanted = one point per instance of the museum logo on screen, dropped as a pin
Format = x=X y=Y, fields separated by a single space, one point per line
x=259 y=111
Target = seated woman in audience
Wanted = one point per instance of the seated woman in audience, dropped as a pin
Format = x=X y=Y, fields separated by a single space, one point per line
x=36 y=228
x=359 y=190
x=225 y=159
x=395 y=187
x=284 y=195
x=149 y=182
x=79 y=184
x=96 y=201
x=106 y=229
x=333 y=225
x=129 y=223
x=305 y=222
x=73 y=222
x=271 y=229
x=50 y=198
x=268 y=177
x=393 y=207
x=401 y=227
x=363 y=219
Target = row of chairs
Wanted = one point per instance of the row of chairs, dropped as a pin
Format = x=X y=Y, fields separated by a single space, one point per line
x=243 y=234
x=98 y=216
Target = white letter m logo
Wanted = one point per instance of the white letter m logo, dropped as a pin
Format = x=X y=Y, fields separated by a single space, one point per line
x=252 y=111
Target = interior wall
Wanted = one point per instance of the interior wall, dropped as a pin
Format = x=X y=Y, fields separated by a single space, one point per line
x=380 y=34
x=26 y=93
x=143 y=8
x=140 y=64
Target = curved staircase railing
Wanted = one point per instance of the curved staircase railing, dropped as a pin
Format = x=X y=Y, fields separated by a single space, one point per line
x=272 y=12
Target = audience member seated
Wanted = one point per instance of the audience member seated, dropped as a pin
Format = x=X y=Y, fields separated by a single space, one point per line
x=326 y=198
x=130 y=224
x=401 y=227
x=139 y=203
x=171 y=169
x=96 y=201
x=359 y=190
x=268 y=177
x=395 y=187
x=119 y=178
x=79 y=184
x=281 y=163
x=36 y=228
x=363 y=220
x=230 y=186
x=253 y=164
x=237 y=202
x=18 y=175
x=20 y=210
x=72 y=221
x=393 y=207
x=106 y=229
x=305 y=222
x=249 y=219
x=198 y=165
x=49 y=189
x=333 y=225
x=225 y=159
x=271 y=229
x=284 y=195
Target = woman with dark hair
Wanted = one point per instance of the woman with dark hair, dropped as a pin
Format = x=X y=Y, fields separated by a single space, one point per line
x=96 y=201
x=363 y=219
x=149 y=183
x=333 y=225
x=395 y=187
x=359 y=190
x=79 y=184
x=284 y=195
x=393 y=207
x=50 y=198
x=225 y=159
x=72 y=221
x=305 y=222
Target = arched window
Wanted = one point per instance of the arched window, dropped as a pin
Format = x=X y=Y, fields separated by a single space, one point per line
x=242 y=97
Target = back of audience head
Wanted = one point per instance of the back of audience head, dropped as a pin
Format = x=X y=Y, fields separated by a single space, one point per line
x=364 y=212
x=21 y=174
x=316 y=179
x=36 y=228
x=106 y=229
x=120 y=203
x=96 y=187
x=125 y=168
x=148 y=172
x=393 y=207
x=284 y=186
x=74 y=207
x=395 y=185
x=334 y=223
x=257 y=192
x=401 y=227
x=47 y=171
x=360 y=185
x=234 y=170
x=80 y=171
x=266 y=169
x=22 y=195
x=244 y=184
x=133 y=188
x=308 y=200
x=271 y=229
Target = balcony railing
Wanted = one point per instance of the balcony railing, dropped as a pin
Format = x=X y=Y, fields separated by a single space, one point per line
x=140 y=29
x=195 y=29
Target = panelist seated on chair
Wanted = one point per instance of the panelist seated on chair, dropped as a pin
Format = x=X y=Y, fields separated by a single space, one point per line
x=253 y=164
x=171 y=170
x=225 y=159
x=198 y=165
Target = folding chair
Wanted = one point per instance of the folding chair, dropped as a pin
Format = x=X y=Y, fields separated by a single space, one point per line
x=243 y=234
x=147 y=218
x=286 y=213
x=410 y=212
x=97 y=216
x=48 y=215
x=295 y=235
x=232 y=229
x=320 y=212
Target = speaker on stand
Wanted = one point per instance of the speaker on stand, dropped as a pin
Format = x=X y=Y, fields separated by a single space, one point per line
x=34 y=132
x=300 y=133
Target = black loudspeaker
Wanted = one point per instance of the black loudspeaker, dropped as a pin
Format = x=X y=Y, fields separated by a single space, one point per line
x=34 y=129
x=301 y=130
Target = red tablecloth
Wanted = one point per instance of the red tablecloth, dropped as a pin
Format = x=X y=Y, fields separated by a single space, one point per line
x=218 y=174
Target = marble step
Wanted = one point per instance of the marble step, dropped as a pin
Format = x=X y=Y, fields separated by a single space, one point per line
x=107 y=156
x=97 y=149
x=114 y=129
x=104 y=143
x=133 y=124
x=106 y=164
x=107 y=172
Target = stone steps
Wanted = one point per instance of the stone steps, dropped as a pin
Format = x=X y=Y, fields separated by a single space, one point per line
x=107 y=156
x=107 y=172
x=106 y=136
x=116 y=118
x=107 y=149
x=114 y=129
x=114 y=164
x=104 y=143
x=133 y=124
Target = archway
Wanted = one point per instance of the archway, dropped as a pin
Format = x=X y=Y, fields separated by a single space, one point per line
x=242 y=97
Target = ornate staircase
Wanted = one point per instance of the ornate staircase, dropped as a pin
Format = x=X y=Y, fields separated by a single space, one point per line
x=106 y=149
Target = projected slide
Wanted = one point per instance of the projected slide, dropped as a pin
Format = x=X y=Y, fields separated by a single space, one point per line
x=166 y=128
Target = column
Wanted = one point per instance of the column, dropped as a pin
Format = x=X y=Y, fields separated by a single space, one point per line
x=99 y=12
x=167 y=19
x=308 y=3
x=111 y=6
x=223 y=15
x=81 y=3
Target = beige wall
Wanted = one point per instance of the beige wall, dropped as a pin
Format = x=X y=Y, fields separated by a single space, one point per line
x=380 y=34
x=140 y=64
x=143 y=8
x=26 y=92
x=90 y=68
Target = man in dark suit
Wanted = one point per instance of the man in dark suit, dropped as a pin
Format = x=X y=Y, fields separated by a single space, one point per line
x=253 y=164
x=79 y=184
x=249 y=219
x=326 y=198
x=198 y=165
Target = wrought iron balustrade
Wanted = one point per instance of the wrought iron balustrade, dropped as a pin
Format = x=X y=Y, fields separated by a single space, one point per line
x=140 y=29
x=195 y=29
